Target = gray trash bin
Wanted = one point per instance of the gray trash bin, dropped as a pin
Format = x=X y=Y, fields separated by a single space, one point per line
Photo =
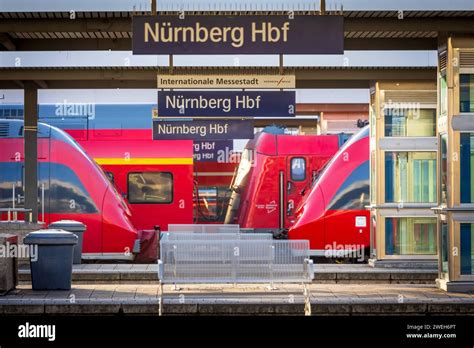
x=75 y=227
x=51 y=265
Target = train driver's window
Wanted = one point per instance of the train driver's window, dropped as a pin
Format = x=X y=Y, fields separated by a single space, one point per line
x=150 y=187
x=110 y=175
x=298 y=169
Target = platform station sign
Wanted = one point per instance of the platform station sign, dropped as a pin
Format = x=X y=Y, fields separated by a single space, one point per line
x=226 y=104
x=226 y=81
x=201 y=130
x=252 y=34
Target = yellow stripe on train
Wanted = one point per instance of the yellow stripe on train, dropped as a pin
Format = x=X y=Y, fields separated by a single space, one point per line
x=138 y=161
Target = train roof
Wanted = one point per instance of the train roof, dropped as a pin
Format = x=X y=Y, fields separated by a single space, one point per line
x=271 y=144
x=145 y=148
x=12 y=128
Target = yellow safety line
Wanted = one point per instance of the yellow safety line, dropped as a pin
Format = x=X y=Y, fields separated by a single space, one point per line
x=137 y=161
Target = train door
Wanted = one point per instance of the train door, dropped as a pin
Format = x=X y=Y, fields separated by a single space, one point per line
x=44 y=176
x=18 y=187
x=297 y=178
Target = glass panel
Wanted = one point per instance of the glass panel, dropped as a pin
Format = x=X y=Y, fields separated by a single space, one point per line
x=467 y=248
x=212 y=203
x=207 y=203
x=444 y=169
x=298 y=169
x=444 y=248
x=410 y=177
x=372 y=115
x=373 y=175
x=410 y=236
x=413 y=122
x=466 y=92
x=467 y=168
x=443 y=96
x=150 y=187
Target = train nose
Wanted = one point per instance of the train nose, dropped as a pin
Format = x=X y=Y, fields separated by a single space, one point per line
x=309 y=217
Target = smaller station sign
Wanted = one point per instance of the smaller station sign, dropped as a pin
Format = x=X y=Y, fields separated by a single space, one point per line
x=201 y=130
x=226 y=104
x=213 y=151
x=226 y=81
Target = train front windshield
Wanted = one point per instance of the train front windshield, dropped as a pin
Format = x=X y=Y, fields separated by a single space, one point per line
x=246 y=162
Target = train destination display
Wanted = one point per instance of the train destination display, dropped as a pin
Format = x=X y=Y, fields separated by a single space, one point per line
x=226 y=104
x=253 y=34
x=202 y=130
x=226 y=81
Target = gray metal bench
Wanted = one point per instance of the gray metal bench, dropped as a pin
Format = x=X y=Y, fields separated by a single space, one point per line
x=225 y=260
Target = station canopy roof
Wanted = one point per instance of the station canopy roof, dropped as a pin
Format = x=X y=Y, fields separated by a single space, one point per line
x=106 y=26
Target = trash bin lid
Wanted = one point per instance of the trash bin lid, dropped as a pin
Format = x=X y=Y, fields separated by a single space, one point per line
x=68 y=225
x=50 y=237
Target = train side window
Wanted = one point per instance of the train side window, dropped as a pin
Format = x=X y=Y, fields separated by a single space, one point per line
x=67 y=192
x=150 y=187
x=353 y=194
x=298 y=169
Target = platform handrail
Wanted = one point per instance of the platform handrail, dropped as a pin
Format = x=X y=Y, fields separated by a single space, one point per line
x=15 y=212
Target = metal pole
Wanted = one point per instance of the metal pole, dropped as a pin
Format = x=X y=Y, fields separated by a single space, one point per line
x=171 y=64
x=160 y=300
x=30 y=134
x=307 y=300
x=281 y=64
x=42 y=203
x=13 y=197
x=282 y=200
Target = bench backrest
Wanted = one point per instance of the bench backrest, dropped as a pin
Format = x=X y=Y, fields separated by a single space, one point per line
x=215 y=236
x=202 y=228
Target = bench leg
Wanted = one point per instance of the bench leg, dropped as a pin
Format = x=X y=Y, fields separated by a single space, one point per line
x=307 y=300
x=160 y=300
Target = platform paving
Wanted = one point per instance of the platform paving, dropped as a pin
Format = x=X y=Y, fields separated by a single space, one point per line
x=325 y=273
x=248 y=299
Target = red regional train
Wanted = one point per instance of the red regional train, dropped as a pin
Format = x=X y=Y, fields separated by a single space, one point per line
x=155 y=177
x=197 y=191
x=73 y=187
x=332 y=216
x=274 y=169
